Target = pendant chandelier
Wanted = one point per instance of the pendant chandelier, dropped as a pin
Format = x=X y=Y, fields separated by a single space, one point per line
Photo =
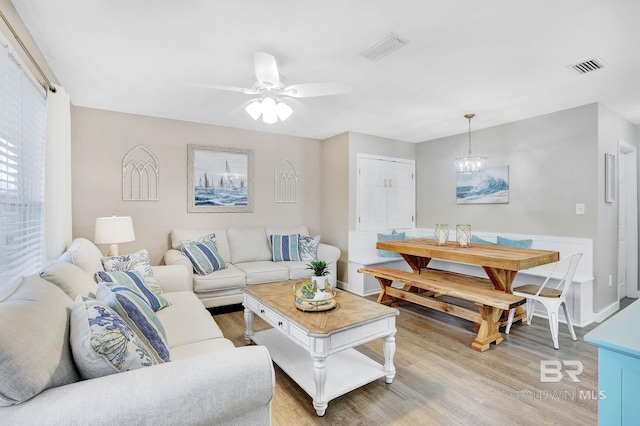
x=470 y=164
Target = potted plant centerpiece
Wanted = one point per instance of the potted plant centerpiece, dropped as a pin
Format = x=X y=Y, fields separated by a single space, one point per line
x=320 y=270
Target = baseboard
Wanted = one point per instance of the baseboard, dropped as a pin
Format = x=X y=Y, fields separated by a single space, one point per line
x=607 y=312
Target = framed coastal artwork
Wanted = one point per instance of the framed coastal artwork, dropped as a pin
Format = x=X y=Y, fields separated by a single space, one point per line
x=220 y=179
x=490 y=187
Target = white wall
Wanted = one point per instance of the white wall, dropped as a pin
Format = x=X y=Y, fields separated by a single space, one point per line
x=100 y=139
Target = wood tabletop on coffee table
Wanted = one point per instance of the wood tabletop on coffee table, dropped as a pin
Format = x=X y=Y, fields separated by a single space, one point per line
x=350 y=309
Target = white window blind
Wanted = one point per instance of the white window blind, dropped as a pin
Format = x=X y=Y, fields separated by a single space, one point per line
x=22 y=146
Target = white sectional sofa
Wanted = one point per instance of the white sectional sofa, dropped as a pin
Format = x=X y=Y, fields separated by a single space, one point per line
x=248 y=256
x=207 y=381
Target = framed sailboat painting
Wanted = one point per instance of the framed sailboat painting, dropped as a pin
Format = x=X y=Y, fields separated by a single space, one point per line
x=220 y=179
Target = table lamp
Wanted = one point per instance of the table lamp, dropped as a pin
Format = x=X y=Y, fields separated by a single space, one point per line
x=113 y=230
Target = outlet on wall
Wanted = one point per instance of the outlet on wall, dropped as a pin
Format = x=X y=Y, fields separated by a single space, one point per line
x=610 y=280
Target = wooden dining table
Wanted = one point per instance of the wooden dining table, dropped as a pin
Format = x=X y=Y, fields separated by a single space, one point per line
x=500 y=263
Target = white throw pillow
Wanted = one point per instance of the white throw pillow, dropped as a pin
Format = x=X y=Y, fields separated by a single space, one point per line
x=86 y=256
x=248 y=245
x=70 y=278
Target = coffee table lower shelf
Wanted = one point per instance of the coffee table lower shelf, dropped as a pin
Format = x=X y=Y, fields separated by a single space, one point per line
x=345 y=370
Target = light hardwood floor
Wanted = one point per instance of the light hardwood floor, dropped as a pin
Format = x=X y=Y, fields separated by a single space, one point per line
x=440 y=380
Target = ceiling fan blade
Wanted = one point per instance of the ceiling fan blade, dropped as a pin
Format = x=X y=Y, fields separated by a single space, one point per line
x=310 y=90
x=229 y=88
x=266 y=69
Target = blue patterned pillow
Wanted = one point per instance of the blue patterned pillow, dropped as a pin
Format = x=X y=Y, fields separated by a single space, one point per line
x=514 y=243
x=204 y=256
x=103 y=343
x=139 y=316
x=136 y=282
x=308 y=247
x=138 y=261
x=284 y=247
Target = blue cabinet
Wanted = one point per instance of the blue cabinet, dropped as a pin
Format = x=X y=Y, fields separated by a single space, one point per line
x=618 y=342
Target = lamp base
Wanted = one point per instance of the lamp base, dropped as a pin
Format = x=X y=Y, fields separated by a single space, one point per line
x=113 y=250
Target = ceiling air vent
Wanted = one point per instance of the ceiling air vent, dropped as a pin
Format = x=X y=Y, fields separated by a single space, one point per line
x=384 y=46
x=588 y=66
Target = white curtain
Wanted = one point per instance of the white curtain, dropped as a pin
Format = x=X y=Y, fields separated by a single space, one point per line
x=58 y=232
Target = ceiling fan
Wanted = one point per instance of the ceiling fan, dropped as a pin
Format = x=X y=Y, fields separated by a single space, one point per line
x=271 y=90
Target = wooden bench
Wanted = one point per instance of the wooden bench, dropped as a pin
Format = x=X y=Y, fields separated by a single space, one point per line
x=425 y=288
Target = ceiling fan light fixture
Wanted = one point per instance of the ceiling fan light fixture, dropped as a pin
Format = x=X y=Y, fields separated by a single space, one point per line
x=254 y=109
x=269 y=113
x=283 y=110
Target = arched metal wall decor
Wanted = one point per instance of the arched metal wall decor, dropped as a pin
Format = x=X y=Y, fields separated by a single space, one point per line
x=140 y=175
x=286 y=183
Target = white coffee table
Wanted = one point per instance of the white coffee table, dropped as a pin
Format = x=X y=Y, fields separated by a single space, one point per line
x=316 y=348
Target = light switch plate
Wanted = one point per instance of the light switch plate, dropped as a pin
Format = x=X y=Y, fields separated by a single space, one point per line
x=580 y=208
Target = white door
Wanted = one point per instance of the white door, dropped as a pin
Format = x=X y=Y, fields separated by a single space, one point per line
x=622 y=230
x=627 y=221
x=401 y=196
x=371 y=199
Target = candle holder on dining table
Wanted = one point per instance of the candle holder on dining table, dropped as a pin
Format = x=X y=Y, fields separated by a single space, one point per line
x=463 y=235
x=442 y=233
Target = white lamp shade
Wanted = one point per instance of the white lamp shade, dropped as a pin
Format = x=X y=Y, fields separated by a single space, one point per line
x=269 y=114
x=113 y=230
x=284 y=111
x=254 y=109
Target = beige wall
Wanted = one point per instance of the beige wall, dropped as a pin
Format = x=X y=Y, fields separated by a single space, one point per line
x=100 y=139
x=335 y=197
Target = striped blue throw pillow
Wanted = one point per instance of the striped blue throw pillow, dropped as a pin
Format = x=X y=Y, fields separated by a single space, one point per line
x=139 y=316
x=284 y=247
x=204 y=256
x=136 y=282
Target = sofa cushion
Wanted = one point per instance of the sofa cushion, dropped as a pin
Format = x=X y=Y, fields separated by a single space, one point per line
x=201 y=348
x=103 y=343
x=308 y=247
x=179 y=235
x=228 y=278
x=248 y=245
x=284 y=247
x=136 y=282
x=204 y=257
x=187 y=309
x=297 y=270
x=34 y=339
x=70 y=278
x=259 y=272
x=138 y=261
x=85 y=255
x=139 y=316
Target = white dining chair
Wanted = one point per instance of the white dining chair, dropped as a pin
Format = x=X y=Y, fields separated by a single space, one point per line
x=552 y=297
